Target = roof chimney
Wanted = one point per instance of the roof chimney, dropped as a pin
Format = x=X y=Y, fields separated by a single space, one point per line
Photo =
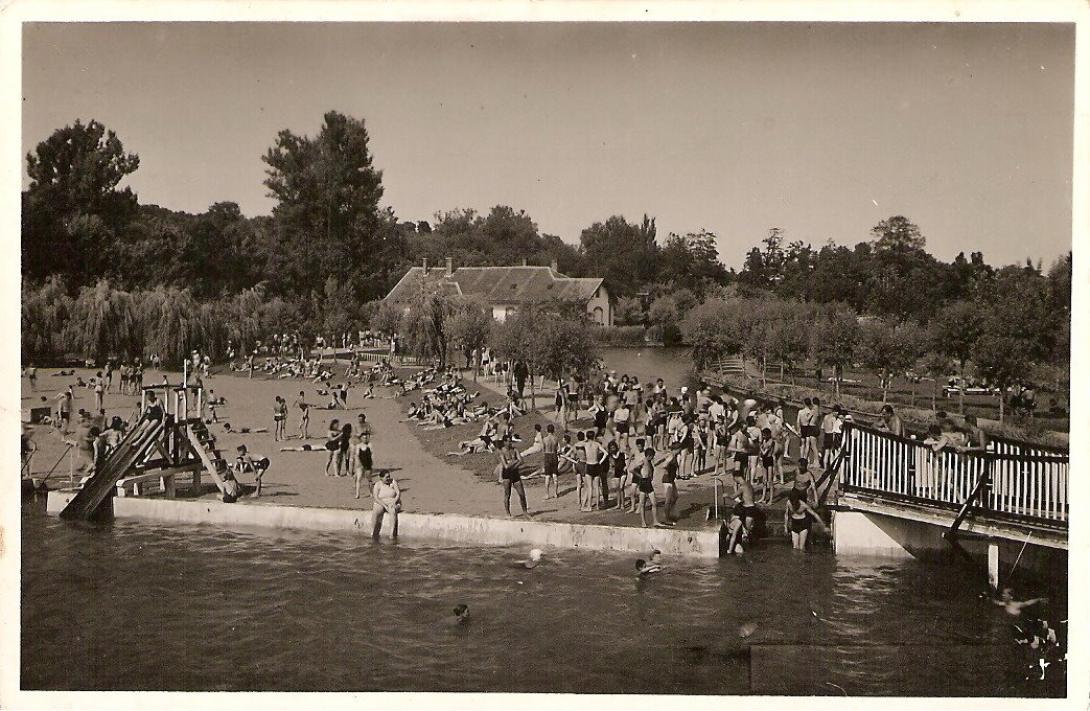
x=552 y=265
x=450 y=266
x=425 y=265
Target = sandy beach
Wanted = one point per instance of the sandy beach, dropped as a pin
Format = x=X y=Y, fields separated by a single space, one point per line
x=430 y=483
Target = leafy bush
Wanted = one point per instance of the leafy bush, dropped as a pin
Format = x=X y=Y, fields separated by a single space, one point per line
x=620 y=336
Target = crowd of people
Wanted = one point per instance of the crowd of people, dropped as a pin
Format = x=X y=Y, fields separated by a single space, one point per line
x=627 y=444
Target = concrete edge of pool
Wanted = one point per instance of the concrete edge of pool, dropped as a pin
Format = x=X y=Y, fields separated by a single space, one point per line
x=457 y=528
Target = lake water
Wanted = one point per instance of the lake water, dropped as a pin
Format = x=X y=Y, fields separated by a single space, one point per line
x=143 y=606
x=673 y=365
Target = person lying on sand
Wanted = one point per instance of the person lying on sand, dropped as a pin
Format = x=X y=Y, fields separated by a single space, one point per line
x=244 y=430
x=305 y=448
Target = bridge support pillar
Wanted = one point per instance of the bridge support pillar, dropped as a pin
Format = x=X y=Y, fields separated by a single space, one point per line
x=993 y=566
x=859 y=533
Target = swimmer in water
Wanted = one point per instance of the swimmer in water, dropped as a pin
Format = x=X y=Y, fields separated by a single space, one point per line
x=644 y=568
x=534 y=560
x=461 y=615
x=1014 y=607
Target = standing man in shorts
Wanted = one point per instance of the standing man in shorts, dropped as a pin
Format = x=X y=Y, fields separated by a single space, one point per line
x=743 y=515
x=622 y=423
x=511 y=476
x=802 y=419
x=808 y=419
x=550 y=448
x=739 y=452
x=64 y=409
x=832 y=427
x=580 y=451
x=280 y=418
x=596 y=458
x=304 y=415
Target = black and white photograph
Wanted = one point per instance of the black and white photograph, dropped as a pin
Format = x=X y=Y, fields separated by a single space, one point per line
x=647 y=354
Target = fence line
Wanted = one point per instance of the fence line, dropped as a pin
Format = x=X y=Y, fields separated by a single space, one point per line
x=1025 y=482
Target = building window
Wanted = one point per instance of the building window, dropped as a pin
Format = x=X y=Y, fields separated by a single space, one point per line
x=599 y=315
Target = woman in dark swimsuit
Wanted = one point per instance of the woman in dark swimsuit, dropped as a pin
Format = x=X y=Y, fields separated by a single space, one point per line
x=798 y=517
x=342 y=456
x=510 y=461
x=619 y=462
x=333 y=443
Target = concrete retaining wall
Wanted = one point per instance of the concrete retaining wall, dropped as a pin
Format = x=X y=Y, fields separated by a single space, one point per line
x=468 y=530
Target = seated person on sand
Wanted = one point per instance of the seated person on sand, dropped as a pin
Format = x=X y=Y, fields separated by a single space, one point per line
x=232 y=490
x=484 y=442
x=444 y=421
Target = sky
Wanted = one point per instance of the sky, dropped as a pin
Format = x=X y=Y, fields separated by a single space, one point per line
x=819 y=129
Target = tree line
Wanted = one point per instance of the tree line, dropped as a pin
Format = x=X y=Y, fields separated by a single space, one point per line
x=330 y=250
x=80 y=227
x=1013 y=327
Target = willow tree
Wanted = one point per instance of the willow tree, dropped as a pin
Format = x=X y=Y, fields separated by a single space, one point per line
x=469 y=326
x=424 y=326
x=105 y=322
x=242 y=320
x=171 y=320
x=45 y=311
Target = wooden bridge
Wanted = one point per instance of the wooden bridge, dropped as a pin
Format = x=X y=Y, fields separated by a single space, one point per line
x=1011 y=493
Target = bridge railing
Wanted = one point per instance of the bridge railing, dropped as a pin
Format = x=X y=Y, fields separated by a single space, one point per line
x=1024 y=483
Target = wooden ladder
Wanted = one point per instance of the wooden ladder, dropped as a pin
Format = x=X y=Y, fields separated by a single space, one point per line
x=204 y=444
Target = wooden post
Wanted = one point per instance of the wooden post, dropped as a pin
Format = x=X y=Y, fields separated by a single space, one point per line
x=993 y=566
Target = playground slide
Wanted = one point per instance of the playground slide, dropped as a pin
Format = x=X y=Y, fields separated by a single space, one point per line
x=130 y=451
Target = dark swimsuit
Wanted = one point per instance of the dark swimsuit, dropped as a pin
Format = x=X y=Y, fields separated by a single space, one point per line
x=511 y=471
x=798 y=525
x=647 y=478
x=618 y=465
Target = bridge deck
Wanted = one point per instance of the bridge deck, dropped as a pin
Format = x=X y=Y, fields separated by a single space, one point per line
x=979 y=524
